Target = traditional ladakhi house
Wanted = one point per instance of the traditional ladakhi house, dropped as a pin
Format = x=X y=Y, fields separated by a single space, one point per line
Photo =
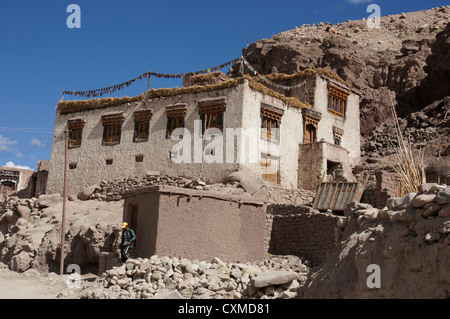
x=13 y=179
x=211 y=127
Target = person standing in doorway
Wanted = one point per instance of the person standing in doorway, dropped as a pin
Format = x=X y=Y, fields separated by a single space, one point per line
x=128 y=238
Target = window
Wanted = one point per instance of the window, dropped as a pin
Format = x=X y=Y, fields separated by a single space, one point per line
x=337 y=99
x=212 y=113
x=310 y=134
x=112 y=133
x=337 y=140
x=75 y=131
x=174 y=123
x=270 y=122
x=175 y=117
x=109 y=162
x=73 y=166
x=112 y=128
x=142 y=125
x=139 y=158
x=212 y=120
x=269 y=168
x=311 y=119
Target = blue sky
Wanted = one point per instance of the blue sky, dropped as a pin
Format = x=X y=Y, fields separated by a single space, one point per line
x=120 y=40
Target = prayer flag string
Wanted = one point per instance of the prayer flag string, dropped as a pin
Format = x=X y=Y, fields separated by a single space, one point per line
x=117 y=87
x=241 y=60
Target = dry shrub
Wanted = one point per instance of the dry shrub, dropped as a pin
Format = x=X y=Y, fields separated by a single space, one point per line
x=304 y=74
x=66 y=107
x=292 y=101
x=409 y=168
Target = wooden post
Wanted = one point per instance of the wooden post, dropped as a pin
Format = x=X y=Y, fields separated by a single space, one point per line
x=63 y=221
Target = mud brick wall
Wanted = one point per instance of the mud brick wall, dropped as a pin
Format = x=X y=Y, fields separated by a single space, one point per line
x=300 y=231
x=386 y=187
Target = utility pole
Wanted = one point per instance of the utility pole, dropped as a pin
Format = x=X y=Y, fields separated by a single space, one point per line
x=63 y=222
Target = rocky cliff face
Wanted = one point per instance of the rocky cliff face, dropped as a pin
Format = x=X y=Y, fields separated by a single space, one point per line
x=396 y=64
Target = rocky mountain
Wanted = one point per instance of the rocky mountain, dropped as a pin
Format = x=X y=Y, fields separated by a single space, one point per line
x=404 y=63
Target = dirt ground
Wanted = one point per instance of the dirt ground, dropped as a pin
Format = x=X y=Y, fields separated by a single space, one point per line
x=32 y=285
x=14 y=285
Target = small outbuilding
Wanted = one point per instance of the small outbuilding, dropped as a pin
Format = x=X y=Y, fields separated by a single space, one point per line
x=173 y=221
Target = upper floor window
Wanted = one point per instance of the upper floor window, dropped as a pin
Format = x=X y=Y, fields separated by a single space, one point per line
x=175 y=117
x=270 y=122
x=142 y=125
x=311 y=121
x=112 y=128
x=212 y=113
x=212 y=120
x=75 y=126
x=337 y=98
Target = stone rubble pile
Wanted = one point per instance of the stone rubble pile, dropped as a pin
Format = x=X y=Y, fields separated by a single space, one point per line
x=17 y=211
x=172 y=278
x=430 y=207
x=235 y=185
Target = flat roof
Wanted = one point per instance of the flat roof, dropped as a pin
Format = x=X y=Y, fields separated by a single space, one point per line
x=188 y=192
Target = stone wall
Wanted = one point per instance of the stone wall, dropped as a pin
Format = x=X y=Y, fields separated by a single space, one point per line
x=385 y=188
x=409 y=240
x=300 y=231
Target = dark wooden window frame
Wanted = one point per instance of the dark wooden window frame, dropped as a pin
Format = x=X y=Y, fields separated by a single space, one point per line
x=337 y=100
x=271 y=123
x=112 y=129
x=75 y=128
x=175 y=119
x=142 y=125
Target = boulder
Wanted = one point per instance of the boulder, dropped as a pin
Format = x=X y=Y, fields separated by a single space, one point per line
x=351 y=208
x=426 y=187
x=23 y=211
x=437 y=188
x=443 y=196
x=444 y=212
x=251 y=186
x=48 y=200
x=395 y=203
x=21 y=262
x=406 y=215
x=422 y=199
x=371 y=214
x=11 y=216
x=168 y=294
x=87 y=192
x=431 y=209
x=342 y=222
x=275 y=277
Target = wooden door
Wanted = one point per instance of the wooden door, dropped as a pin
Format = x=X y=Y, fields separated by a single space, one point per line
x=310 y=134
x=269 y=168
x=133 y=221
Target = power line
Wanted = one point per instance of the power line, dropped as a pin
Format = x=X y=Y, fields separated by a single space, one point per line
x=25 y=129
